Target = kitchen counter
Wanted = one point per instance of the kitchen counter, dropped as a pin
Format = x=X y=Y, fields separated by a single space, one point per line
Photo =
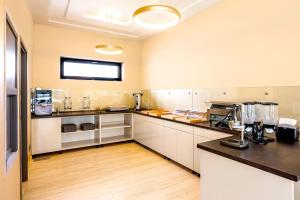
x=205 y=125
x=277 y=158
x=78 y=113
x=269 y=171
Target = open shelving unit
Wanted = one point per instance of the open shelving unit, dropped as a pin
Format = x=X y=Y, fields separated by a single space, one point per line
x=80 y=138
x=116 y=128
x=109 y=128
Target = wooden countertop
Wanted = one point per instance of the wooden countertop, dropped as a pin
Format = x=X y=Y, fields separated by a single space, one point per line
x=277 y=158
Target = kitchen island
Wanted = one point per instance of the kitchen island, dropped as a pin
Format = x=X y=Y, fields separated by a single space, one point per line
x=259 y=172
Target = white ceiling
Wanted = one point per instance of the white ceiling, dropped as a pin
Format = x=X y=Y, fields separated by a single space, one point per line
x=106 y=16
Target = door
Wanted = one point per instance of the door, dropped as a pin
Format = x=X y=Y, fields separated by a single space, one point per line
x=24 y=134
x=185 y=151
x=170 y=143
x=46 y=135
x=197 y=140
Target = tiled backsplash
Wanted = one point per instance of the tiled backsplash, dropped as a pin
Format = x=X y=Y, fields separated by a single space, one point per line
x=198 y=99
x=98 y=98
x=194 y=99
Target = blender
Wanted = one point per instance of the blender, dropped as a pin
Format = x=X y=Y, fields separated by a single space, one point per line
x=270 y=117
x=248 y=116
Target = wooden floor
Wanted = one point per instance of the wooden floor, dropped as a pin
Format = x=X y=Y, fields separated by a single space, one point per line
x=115 y=172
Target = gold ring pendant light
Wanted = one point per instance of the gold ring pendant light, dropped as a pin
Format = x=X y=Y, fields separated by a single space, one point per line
x=109 y=49
x=157 y=8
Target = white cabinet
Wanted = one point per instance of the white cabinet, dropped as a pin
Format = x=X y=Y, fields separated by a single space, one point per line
x=140 y=128
x=46 y=135
x=198 y=139
x=179 y=142
x=170 y=142
x=185 y=151
x=173 y=140
x=202 y=135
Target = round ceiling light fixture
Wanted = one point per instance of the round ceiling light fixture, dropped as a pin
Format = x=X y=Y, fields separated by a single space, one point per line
x=109 y=49
x=156 y=16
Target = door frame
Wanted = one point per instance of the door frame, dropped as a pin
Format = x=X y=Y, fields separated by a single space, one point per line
x=23 y=112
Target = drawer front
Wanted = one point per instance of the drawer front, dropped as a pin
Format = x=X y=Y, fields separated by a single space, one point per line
x=214 y=135
x=180 y=127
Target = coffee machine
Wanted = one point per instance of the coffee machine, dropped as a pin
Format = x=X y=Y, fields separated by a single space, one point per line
x=138 y=100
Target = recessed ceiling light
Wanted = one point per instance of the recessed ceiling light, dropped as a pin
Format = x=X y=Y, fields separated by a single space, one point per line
x=109 y=49
x=168 y=16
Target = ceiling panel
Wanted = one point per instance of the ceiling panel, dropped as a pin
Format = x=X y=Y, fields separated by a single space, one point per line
x=110 y=16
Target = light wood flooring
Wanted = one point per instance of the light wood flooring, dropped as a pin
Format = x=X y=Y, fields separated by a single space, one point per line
x=125 y=171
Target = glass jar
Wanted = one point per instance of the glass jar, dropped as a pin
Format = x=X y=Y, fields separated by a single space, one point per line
x=68 y=103
x=258 y=111
x=248 y=112
x=270 y=113
x=86 y=103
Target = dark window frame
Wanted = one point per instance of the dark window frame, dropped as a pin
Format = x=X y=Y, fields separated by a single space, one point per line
x=11 y=104
x=87 y=61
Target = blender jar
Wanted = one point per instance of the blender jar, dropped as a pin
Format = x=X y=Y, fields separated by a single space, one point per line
x=258 y=112
x=248 y=113
x=270 y=114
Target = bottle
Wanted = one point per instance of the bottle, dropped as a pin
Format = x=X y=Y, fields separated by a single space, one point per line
x=86 y=103
x=68 y=103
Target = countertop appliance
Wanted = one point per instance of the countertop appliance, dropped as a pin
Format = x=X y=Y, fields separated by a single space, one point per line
x=259 y=119
x=287 y=130
x=138 y=100
x=224 y=114
x=42 y=102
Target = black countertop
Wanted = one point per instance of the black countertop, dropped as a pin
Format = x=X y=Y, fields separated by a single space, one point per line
x=77 y=113
x=277 y=158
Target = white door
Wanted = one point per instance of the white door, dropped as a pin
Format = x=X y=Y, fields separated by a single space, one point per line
x=185 y=151
x=197 y=140
x=46 y=135
x=170 y=143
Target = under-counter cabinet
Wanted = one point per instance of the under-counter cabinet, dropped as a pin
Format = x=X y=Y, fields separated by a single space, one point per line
x=183 y=135
x=46 y=135
x=202 y=135
x=171 y=139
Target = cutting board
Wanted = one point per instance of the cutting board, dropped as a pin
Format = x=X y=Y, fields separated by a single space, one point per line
x=171 y=116
x=193 y=120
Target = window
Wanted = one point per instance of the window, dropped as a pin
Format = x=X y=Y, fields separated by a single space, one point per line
x=11 y=90
x=72 y=68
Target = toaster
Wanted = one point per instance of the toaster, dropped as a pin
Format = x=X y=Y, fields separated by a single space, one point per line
x=287 y=133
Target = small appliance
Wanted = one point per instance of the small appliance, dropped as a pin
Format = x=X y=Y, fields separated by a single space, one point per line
x=42 y=102
x=237 y=143
x=138 y=100
x=287 y=130
x=224 y=114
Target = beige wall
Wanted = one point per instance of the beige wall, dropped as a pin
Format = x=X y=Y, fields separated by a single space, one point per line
x=51 y=42
x=231 y=44
x=20 y=15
